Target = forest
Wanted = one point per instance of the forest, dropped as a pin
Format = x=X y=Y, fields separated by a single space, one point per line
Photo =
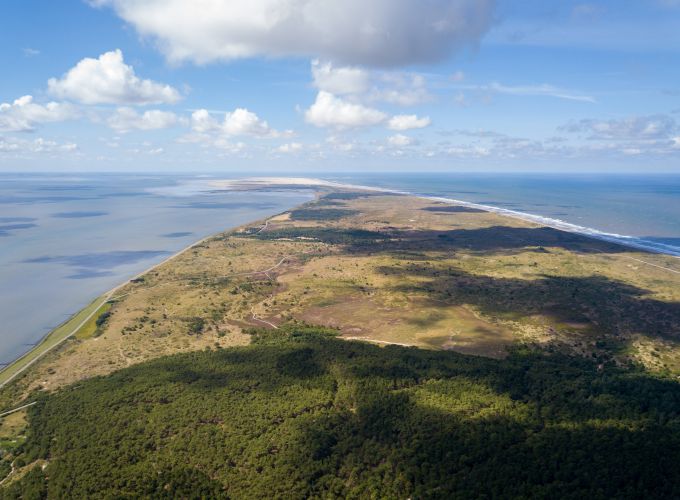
x=300 y=413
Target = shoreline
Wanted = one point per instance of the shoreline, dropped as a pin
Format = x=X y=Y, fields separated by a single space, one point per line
x=42 y=348
x=620 y=239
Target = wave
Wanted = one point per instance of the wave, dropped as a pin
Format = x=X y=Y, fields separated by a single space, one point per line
x=213 y=186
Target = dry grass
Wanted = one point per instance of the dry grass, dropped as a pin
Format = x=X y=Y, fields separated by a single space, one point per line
x=473 y=282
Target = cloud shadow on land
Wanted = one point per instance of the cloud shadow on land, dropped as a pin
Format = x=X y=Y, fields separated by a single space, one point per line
x=304 y=417
x=606 y=305
x=502 y=239
x=495 y=239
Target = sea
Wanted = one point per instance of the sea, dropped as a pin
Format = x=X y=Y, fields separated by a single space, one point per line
x=65 y=239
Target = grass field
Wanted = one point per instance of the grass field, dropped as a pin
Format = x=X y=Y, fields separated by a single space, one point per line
x=386 y=269
x=512 y=298
x=53 y=339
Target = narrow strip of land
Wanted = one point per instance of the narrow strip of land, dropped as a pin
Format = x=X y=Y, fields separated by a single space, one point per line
x=655 y=265
x=52 y=340
x=9 y=412
x=73 y=325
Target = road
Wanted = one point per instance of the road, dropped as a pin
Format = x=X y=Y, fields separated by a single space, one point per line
x=37 y=353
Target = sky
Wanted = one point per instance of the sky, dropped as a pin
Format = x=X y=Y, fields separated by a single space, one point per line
x=340 y=85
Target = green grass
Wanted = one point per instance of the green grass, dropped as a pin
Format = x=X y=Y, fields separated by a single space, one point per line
x=324 y=214
x=89 y=329
x=56 y=336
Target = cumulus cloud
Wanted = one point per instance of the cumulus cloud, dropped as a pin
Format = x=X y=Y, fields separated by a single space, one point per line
x=126 y=119
x=360 y=84
x=377 y=33
x=108 y=80
x=339 y=80
x=408 y=122
x=331 y=111
x=399 y=140
x=240 y=122
x=23 y=114
x=244 y=122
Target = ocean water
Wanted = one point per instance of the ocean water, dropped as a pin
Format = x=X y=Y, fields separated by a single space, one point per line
x=638 y=210
x=64 y=239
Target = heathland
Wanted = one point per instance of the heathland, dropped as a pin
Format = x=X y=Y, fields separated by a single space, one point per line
x=361 y=345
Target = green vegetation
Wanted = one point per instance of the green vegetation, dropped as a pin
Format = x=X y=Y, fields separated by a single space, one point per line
x=346 y=196
x=324 y=214
x=581 y=401
x=5 y=468
x=95 y=325
x=331 y=236
x=55 y=337
x=301 y=414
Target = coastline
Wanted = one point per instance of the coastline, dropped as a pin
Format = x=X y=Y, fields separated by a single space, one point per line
x=55 y=338
x=72 y=325
x=621 y=239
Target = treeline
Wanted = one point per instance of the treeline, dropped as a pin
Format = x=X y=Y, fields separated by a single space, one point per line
x=301 y=414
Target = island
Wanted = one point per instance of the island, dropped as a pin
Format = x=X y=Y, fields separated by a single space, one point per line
x=363 y=345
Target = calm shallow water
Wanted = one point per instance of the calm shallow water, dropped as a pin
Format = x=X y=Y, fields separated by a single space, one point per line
x=66 y=239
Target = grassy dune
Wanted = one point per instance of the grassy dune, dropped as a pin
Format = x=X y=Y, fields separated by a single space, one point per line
x=475 y=291
x=391 y=269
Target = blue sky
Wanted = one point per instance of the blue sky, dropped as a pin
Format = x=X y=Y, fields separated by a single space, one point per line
x=303 y=85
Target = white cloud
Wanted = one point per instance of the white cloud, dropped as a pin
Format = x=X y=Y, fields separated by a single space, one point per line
x=402 y=89
x=39 y=145
x=339 y=144
x=23 y=114
x=228 y=146
x=29 y=52
x=342 y=80
x=244 y=122
x=126 y=119
x=631 y=151
x=331 y=111
x=240 y=122
x=379 y=32
x=293 y=147
x=630 y=128
x=540 y=90
x=202 y=122
x=408 y=122
x=108 y=80
x=460 y=100
x=399 y=140
x=544 y=90
x=472 y=151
